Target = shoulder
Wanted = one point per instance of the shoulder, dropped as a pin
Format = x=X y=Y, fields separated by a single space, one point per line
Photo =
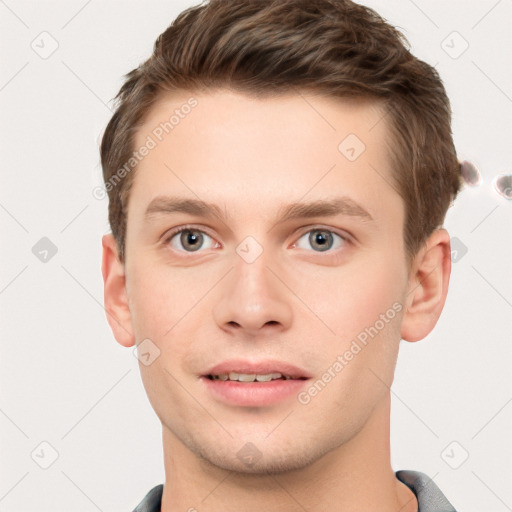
x=429 y=496
x=152 y=501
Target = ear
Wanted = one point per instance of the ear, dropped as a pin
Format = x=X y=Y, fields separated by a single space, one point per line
x=115 y=296
x=428 y=286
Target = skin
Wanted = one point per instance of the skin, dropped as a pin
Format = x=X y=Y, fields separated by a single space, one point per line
x=294 y=303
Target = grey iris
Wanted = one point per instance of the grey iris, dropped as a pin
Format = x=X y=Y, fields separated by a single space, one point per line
x=321 y=240
x=193 y=237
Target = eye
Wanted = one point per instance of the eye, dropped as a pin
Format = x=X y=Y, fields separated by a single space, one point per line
x=321 y=240
x=190 y=240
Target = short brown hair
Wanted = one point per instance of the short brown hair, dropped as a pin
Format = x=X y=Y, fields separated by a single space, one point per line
x=268 y=47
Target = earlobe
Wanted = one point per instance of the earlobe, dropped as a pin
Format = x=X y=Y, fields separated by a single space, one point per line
x=115 y=296
x=428 y=287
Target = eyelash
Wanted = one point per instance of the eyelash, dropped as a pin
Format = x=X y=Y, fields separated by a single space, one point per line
x=344 y=237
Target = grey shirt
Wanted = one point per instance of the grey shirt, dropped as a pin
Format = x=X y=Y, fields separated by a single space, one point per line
x=429 y=496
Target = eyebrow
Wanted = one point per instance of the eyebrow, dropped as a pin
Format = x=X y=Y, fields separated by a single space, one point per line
x=318 y=208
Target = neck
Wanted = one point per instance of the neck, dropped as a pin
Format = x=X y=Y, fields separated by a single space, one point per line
x=352 y=477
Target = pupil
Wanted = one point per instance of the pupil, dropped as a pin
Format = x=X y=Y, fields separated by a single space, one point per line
x=321 y=239
x=191 y=237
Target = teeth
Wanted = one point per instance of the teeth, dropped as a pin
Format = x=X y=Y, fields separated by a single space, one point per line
x=264 y=378
x=242 y=377
x=250 y=377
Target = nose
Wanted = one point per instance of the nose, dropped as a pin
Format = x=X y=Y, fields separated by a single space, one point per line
x=254 y=301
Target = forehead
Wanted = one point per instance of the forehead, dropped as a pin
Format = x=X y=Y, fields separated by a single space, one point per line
x=252 y=155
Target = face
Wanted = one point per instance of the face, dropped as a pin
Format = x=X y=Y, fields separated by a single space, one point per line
x=290 y=263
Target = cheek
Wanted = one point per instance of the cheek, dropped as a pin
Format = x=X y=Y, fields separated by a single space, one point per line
x=364 y=309
x=160 y=297
x=352 y=298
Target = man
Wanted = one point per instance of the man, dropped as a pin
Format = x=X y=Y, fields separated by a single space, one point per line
x=278 y=175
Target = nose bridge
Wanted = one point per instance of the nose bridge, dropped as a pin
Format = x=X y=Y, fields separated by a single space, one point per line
x=251 y=277
x=254 y=296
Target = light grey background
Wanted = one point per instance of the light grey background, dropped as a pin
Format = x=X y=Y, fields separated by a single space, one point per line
x=64 y=379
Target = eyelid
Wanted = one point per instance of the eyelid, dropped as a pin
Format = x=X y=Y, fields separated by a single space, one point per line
x=178 y=229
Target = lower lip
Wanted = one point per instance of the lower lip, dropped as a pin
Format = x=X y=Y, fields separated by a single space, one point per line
x=253 y=394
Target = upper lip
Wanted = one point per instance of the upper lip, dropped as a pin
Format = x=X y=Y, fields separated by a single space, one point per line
x=258 y=368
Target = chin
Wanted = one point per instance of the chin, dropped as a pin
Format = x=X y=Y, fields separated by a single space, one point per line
x=249 y=460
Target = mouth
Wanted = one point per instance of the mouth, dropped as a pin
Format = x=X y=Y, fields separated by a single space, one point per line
x=252 y=377
x=255 y=371
x=253 y=384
